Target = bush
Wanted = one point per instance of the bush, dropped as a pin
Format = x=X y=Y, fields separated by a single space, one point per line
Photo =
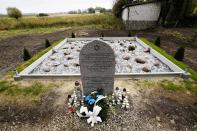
x=179 y=55
x=42 y=14
x=14 y=12
x=26 y=55
x=102 y=34
x=117 y=8
x=131 y=48
x=47 y=43
x=129 y=34
x=73 y=35
x=158 y=41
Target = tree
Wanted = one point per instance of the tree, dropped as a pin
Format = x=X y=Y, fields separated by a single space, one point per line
x=91 y=10
x=176 y=12
x=79 y=11
x=26 y=55
x=165 y=7
x=102 y=10
x=179 y=55
x=14 y=12
x=117 y=8
x=72 y=12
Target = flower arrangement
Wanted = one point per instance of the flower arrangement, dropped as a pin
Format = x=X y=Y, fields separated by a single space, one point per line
x=96 y=105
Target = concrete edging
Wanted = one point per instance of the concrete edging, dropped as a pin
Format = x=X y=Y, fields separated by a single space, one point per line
x=177 y=72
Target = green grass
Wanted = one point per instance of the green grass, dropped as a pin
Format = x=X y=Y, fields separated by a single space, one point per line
x=11 y=89
x=190 y=85
x=4 y=85
x=171 y=58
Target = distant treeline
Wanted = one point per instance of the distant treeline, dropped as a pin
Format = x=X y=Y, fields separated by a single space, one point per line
x=90 y=10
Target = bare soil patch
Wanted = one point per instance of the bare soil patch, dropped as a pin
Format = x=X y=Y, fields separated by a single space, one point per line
x=151 y=109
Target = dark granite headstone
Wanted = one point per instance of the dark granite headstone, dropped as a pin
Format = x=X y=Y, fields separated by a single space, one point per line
x=97 y=66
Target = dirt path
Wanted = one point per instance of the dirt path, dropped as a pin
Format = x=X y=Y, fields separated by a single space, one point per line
x=151 y=109
x=11 y=49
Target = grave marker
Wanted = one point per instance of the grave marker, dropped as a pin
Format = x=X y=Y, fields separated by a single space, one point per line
x=97 y=66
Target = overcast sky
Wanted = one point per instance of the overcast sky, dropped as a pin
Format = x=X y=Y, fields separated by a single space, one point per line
x=52 y=6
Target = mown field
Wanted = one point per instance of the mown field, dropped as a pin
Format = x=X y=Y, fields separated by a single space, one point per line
x=24 y=25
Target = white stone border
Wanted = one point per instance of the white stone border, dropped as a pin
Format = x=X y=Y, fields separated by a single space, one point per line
x=177 y=72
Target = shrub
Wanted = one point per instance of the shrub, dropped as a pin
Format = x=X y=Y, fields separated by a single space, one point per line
x=47 y=43
x=26 y=55
x=102 y=34
x=131 y=48
x=73 y=35
x=42 y=14
x=179 y=55
x=158 y=41
x=14 y=12
x=129 y=34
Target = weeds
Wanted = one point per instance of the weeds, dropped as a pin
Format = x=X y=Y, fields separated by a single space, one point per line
x=4 y=85
x=190 y=85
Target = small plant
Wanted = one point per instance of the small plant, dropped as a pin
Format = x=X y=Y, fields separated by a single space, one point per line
x=26 y=55
x=102 y=34
x=158 y=41
x=179 y=55
x=47 y=43
x=73 y=35
x=131 y=48
x=129 y=34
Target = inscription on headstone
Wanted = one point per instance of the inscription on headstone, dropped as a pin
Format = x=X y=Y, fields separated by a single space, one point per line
x=97 y=66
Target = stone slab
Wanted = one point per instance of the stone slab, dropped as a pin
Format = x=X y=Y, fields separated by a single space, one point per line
x=97 y=66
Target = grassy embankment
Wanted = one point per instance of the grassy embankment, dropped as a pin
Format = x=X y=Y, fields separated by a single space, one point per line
x=28 y=25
